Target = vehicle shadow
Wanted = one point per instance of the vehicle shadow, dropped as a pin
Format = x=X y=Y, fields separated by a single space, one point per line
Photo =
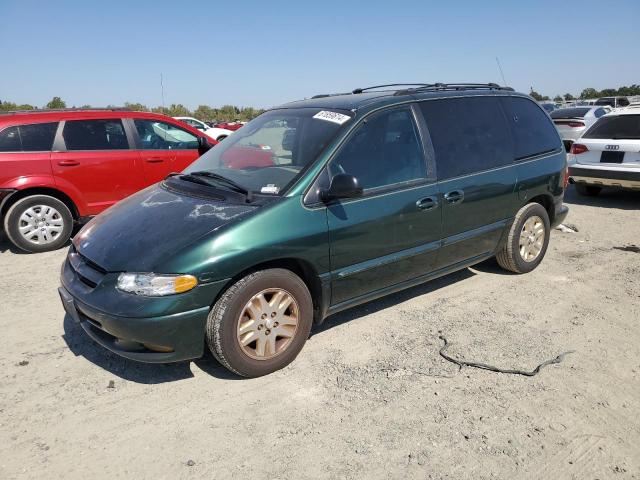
x=393 y=300
x=155 y=373
x=145 y=373
x=608 y=198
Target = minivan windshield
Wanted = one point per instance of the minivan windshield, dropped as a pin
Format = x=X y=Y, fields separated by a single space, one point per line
x=269 y=153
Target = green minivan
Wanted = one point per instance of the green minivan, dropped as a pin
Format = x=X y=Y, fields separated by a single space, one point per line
x=312 y=208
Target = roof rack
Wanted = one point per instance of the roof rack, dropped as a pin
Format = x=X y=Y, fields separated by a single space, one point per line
x=75 y=109
x=454 y=86
x=360 y=90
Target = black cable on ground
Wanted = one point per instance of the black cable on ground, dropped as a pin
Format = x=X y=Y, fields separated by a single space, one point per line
x=484 y=366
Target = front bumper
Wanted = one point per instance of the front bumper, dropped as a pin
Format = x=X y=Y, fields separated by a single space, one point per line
x=606 y=177
x=147 y=329
x=180 y=335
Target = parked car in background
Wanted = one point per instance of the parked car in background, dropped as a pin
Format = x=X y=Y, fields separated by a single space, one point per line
x=608 y=154
x=548 y=107
x=230 y=125
x=572 y=122
x=363 y=195
x=613 y=102
x=61 y=167
x=218 y=134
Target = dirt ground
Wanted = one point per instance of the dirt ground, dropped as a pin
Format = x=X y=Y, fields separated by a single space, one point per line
x=369 y=396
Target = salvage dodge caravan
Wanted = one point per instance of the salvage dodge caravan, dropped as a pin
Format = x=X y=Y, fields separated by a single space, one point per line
x=312 y=208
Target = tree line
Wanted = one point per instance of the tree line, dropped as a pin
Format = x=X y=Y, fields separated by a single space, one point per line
x=591 y=93
x=203 y=112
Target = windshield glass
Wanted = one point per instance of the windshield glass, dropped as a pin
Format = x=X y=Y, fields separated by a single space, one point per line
x=270 y=152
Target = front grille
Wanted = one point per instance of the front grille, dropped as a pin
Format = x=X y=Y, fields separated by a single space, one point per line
x=88 y=272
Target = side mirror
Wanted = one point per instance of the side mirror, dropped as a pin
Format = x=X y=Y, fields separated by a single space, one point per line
x=203 y=145
x=342 y=186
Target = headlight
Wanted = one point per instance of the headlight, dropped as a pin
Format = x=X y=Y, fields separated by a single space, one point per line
x=153 y=285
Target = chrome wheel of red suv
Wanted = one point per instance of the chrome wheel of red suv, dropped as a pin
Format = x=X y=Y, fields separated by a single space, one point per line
x=38 y=223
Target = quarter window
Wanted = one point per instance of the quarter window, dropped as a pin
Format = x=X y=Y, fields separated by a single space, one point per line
x=37 y=137
x=164 y=136
x=384 y=150
x=10 y=140
x=533 y=132
x=468 y=134
x=94 y=135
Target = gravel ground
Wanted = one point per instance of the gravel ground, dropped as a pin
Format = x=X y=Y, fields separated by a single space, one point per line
x=369 y=396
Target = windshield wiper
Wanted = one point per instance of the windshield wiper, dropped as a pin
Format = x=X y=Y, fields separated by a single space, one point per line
x=225 y=181
x=190 y=178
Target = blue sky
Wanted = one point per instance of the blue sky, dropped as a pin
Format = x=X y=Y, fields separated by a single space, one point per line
x=262 y=53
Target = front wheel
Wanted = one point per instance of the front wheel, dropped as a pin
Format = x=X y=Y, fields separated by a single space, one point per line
x=527 y=241
x=260 y=324
x=38 y=223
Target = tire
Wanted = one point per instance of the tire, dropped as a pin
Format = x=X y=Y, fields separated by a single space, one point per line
x=588 y=190
x=511 y=257
x=56 y=214
x=231 y=311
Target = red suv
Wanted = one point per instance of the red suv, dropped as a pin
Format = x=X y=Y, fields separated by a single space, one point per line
x=58 y=167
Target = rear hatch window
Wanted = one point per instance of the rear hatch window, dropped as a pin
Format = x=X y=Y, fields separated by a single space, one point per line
x=617 y=127
x=570 y=113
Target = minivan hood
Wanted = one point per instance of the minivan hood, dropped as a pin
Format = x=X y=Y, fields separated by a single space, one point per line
x=143 y=230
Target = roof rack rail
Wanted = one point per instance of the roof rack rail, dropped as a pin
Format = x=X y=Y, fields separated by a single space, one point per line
x=454 y=86
x=360 y=90
x=324 y=95
x=74 y=109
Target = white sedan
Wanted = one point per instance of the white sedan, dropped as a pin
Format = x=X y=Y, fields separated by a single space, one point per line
x=608 y=154
x=572 y=122
x=218 y=134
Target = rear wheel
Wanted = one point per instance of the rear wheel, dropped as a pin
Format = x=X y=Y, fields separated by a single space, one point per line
x=527 y=241
x=261 y=322
x=588 y=190
x=38 y=223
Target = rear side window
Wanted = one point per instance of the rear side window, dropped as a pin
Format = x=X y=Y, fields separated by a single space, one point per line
x=468 y=134
x=599 y=112
x=616 y=127
x=37 y=137
x=533 y=133
x=94 y=135
x=164 y=136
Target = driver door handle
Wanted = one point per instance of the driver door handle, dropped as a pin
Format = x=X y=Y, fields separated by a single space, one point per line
x=427 y=203
x=454 y=196
x=155 y=160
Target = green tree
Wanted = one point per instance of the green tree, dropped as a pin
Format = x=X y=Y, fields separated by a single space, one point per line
x=557 y=98
x=56 y=102
x=535 y=95
x=568 y=96
x=205 y=113
x=589 y=93
x=137 y=107
x=178 y=110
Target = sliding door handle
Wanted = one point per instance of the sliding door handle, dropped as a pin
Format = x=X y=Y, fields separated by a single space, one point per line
x=454 y=196
x=427 y=203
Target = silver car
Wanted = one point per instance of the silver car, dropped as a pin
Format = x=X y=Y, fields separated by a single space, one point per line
x=573 y=122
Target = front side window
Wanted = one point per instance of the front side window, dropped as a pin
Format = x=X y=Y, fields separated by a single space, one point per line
x=272 y=151
x=156 y=135
x=37 y=137
x=468 y=134
x=533 y=132
x=384 y=150
x=616 y=127
x=94 y=135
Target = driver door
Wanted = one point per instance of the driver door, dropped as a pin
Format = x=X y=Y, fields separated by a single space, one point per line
x=391 y=233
